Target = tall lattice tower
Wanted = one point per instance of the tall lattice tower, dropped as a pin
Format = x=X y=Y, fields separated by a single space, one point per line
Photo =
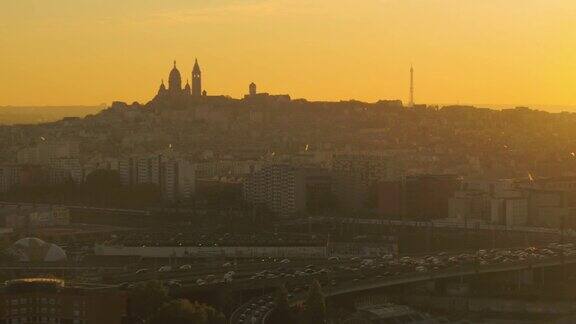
x=411 y=103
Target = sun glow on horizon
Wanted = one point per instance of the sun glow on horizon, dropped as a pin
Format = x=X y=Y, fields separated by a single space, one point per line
x=491 y=51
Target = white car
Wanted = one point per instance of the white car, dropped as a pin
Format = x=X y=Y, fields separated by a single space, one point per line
x=165 y=269
x=174 y=283
x=367 y=262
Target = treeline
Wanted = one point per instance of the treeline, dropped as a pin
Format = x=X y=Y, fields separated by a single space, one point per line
x=104 y=188
x=101 y=188
x=313 y=311
x=149 y=302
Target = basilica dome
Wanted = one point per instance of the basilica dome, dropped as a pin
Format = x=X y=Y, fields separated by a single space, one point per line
x=175 y=79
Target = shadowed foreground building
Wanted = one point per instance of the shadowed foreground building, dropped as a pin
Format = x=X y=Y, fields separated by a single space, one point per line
x=421 y=197
x=41 y=300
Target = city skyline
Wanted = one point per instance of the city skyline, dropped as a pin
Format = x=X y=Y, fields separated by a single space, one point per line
x=321 y=51
x=287 y=161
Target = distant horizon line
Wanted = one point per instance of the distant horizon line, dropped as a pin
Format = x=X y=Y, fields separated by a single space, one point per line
x=440 y=104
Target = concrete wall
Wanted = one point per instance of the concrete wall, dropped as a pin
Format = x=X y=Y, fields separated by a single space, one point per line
x=200 y=252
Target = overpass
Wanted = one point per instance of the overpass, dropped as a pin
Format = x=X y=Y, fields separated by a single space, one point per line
x=418 y=277
x=461 y=272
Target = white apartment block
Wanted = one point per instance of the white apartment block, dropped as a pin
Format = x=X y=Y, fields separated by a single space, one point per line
x=174 y=176
x=280 y=187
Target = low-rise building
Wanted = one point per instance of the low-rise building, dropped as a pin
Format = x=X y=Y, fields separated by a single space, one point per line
x=468 y=205
x=19 y=217
x=42 y=300
x=509 y=208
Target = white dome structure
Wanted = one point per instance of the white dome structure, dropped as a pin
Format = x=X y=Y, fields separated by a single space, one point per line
x=33 y=249
x=29 y=241
x=55 y=253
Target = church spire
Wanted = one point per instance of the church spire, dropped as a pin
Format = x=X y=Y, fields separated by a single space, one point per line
x=196 y=80
x=162 y=88
x=187 y=88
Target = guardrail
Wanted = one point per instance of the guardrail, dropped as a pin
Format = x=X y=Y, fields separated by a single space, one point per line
x=437 y=224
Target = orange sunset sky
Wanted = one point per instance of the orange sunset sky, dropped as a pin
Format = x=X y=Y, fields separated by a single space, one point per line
x=64 y=52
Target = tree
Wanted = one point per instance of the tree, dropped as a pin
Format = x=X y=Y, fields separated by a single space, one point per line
x=182 y=311
x=146 y=299
x=142 y=194
x=282 y=313
x=103 y=180
x=315 y=312
x=281 y=299
x=5 y=255
x=102 y=186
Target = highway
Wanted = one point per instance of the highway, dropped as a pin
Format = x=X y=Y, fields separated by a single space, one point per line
x=254 y=312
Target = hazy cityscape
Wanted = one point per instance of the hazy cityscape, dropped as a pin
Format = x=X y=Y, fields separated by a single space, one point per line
x=195 y=206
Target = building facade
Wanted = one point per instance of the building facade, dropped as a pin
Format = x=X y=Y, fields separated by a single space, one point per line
x=41 y=300
x=280 y=188
x=175 y=177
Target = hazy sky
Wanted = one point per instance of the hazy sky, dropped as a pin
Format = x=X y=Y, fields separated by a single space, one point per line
x=58 y=52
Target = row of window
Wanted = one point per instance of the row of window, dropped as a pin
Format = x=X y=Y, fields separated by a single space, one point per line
x=43 y=300
x=24 y=301
x=43 y=310
x=47 y=320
